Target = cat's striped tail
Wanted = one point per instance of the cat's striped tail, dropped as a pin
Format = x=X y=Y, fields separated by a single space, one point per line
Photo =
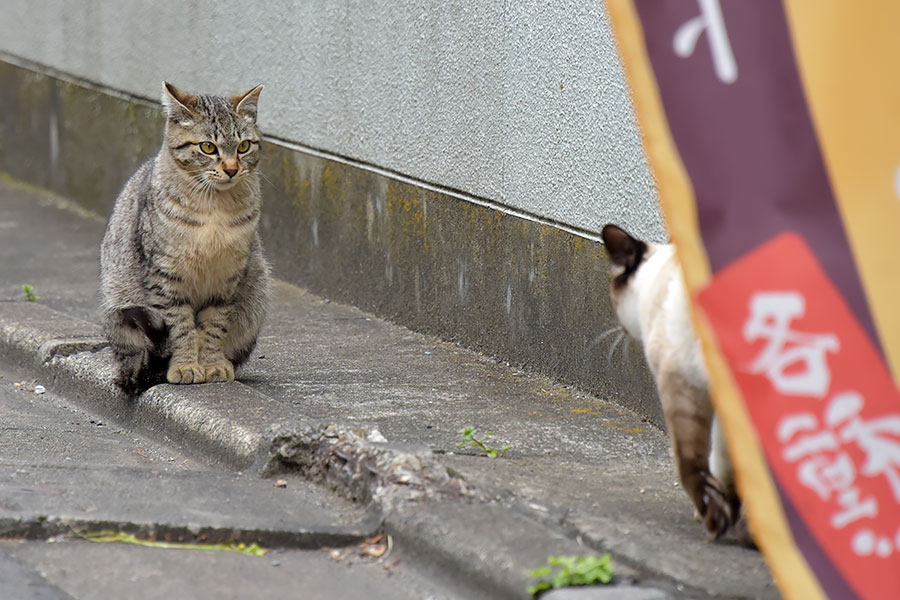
x=138 y=336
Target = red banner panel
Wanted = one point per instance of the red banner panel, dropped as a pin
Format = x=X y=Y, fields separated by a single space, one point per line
x=822 y=401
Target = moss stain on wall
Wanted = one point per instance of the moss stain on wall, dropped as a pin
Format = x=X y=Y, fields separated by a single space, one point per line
x=528 y=293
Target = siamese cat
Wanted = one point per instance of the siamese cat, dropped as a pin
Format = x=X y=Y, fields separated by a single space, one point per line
x=650 y=300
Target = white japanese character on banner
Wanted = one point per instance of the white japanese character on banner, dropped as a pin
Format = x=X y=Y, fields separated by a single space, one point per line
x=825 y=468
x=794 y=362
x=710 y=19
x=879 y=438
x=866 y=543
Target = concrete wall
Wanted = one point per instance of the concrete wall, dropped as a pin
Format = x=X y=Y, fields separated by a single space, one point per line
x=521 y=104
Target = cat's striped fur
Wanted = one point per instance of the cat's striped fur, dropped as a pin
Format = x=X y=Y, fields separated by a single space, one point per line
x=183 y=278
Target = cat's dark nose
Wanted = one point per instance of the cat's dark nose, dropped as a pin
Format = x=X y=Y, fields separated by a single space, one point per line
x=230 y=172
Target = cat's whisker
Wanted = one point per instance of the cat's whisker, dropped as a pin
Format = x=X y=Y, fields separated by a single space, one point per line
x=263 y=175
x=615 y=344
x=196 y=185
x=195 y=179
x=208 y=192
x=197 y=182
x=608 y=333
x=603 y=335
x=192 y=191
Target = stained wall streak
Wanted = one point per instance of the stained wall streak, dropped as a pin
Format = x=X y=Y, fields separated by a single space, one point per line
x=527 y=293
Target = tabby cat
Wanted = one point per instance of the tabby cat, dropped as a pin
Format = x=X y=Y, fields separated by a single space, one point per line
x=183 y=279
x=649 y=299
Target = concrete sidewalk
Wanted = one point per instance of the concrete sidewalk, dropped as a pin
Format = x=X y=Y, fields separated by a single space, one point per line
x=329 y=384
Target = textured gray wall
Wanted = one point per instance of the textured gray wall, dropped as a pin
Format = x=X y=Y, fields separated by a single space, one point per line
x=520 y=103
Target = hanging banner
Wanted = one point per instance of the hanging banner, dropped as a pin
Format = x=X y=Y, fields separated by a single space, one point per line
x=773 y=130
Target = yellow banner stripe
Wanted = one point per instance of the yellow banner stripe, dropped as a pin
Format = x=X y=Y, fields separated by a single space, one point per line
x=767 y=521
x=848 y=55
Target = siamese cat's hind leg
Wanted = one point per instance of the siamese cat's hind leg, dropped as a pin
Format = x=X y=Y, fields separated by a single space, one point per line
x=720 y=464
x=689 y=415
x=722 y=469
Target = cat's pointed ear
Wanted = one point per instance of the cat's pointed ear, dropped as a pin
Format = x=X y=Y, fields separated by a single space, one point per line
x=245 y=104
x=624 y=250
x=178 y=104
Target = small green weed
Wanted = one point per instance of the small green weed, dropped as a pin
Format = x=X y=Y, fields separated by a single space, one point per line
x=573 y=570
x=467 y=437
x=29 y=292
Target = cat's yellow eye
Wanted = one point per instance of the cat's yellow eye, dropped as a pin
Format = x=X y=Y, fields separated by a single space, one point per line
x=207 y=147
x=244 y=146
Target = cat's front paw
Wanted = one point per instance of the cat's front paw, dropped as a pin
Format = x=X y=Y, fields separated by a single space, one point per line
x=186 y=373
x=223 y=371
x=718 y=515
x=711 y=503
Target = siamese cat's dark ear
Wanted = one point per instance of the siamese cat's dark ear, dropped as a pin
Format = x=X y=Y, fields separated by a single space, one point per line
x=624 y=250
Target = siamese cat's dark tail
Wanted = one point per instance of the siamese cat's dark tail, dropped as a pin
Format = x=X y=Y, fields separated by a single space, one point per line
x=138 y=336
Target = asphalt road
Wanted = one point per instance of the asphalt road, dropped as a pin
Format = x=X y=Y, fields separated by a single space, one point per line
x=62 y=463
